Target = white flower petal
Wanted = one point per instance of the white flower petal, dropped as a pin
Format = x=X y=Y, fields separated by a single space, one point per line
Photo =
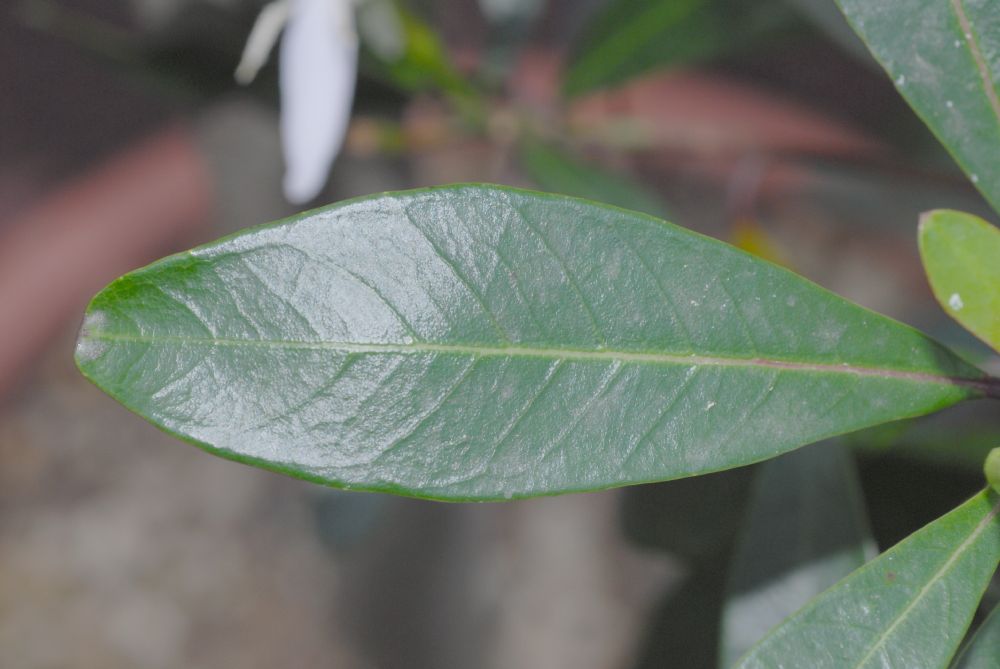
x=318 y=68
x=262 y=37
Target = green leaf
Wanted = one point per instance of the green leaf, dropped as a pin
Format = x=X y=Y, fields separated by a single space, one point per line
x=991 y=469
x=557 y=172
x=961 y=255
x=806 y=528
x=631 y=37
x=983 y=650
x=910 y=607
x=941 y=56
x=424 y=63
x=479 y=343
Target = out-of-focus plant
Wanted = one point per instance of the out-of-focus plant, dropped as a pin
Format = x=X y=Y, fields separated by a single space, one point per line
x=482 y=343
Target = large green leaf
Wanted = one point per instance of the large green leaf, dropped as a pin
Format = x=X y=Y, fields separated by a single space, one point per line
x=631 y=37
x=558 y=172
x=961 y=254
x=983 y=651
x=943 y=57
x=476 y=342
x=910 y=607
x=806 y=528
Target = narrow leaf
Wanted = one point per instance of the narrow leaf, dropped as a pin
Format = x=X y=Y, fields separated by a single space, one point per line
x=631 y=37
x=806 y=528
x=983 y=650
x=555 y=171
x=910 y=607
x=476 y=342
x=941 y=54
x=961 y=255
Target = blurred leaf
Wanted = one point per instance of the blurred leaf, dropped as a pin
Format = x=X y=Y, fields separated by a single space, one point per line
x=558 y=172
x=983 y=649
x=692 y=518
x=961 y=255
x=825 y=15
x=424 y=62
x=631 y=37
x=890 y=612
x=941 y=56
x=685 y=627
x=475 y=342
x=805 y=529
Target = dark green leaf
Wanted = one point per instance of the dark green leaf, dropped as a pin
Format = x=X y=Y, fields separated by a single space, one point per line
x=476 y=342
x=983 y=651
x=805 y=529
x=631 y=37
x=910 y=607
x=941 y=54
x=557 y=172
x=961 y=255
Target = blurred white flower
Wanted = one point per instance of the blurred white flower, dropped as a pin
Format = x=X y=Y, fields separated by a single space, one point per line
x=317 y=72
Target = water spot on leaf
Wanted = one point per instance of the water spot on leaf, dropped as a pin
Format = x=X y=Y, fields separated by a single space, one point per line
x=955 y=302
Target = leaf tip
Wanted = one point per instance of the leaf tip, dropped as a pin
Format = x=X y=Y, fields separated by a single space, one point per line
x=88 y=348
x=928 y=219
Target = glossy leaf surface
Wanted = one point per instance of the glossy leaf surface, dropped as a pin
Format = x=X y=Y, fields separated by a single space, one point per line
x=805 y=528
x=983 y=651
x=943 y=57
x=910 y=607
x=961 y=255
x=476 y=342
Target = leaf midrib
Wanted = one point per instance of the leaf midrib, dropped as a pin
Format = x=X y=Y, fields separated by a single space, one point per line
x=982 y=66
x=938 y=575
x=984 y=385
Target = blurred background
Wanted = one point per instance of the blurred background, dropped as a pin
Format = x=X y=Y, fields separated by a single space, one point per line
x=124 y=137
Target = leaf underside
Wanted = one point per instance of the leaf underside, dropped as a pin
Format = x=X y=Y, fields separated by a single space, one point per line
x=910 y=607
x=481 y=343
